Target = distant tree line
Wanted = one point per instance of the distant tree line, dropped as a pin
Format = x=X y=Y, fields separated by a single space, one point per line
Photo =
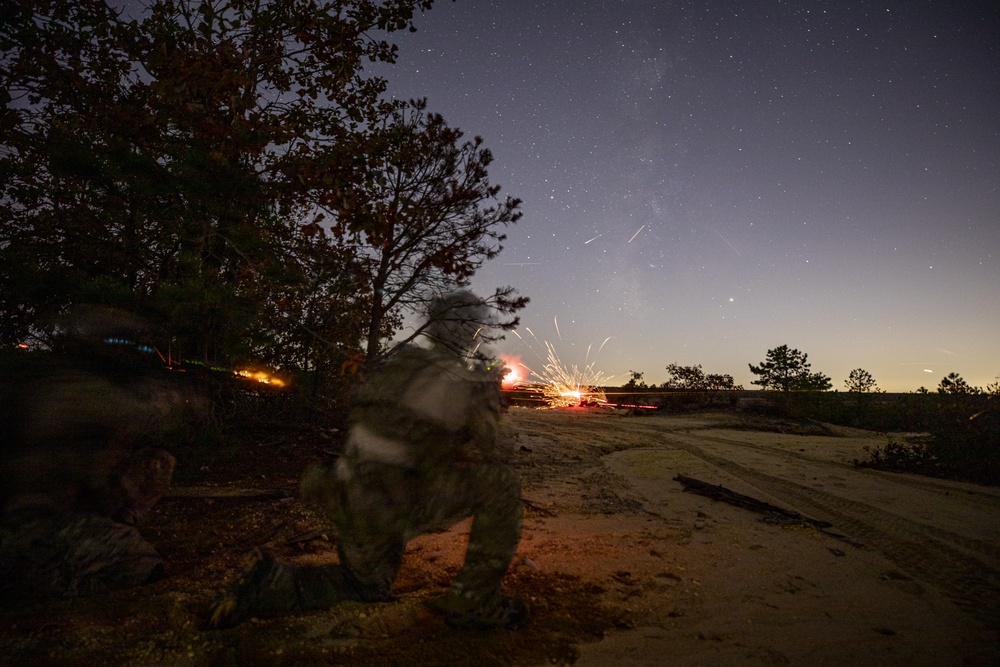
x=959 y=423
x=784 y=369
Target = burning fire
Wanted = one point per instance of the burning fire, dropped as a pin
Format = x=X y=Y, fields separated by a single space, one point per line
x=260 y=376
x=515 y=372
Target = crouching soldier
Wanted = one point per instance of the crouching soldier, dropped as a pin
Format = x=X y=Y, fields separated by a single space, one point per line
x=426 y=450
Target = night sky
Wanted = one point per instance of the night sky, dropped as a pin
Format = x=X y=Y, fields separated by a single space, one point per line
x=704 y=181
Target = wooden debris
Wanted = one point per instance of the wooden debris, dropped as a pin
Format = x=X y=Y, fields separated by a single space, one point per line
x=537 y=508
x=228 y=492
x=324 y=534
x=719 y=492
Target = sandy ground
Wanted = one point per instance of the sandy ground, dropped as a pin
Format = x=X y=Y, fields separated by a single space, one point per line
x=908 y=573
x=619 y=564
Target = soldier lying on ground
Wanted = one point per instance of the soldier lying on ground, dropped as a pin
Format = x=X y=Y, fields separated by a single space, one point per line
x=424 y=452
x=78 y=466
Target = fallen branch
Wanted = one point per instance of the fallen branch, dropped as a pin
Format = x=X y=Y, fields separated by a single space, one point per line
x=537 y=508
x=720 y=492
x=324 y=534
x=228 y=492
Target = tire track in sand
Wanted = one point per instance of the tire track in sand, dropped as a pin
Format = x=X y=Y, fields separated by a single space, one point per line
x=965 y=570
x=981 y=548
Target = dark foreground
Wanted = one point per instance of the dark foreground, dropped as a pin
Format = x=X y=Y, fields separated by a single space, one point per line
x=618 y=563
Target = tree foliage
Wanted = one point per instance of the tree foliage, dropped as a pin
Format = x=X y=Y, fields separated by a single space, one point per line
x=427 y=217
x=955 y=384
x=686 y=378
x=693 y=378
x=787 y=369
x=176 y=158
x=160 y=161
x=635 y=382
x=962 y=423
x=860 y=381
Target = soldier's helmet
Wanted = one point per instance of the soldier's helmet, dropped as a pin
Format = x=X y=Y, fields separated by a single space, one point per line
x=454 y=321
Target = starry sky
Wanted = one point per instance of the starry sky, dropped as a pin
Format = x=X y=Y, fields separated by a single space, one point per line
x=705 y=181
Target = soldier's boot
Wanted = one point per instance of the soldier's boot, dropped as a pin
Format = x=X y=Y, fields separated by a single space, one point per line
x=263 y=588
x=498 y=612
x=266 y=588
x=475 y=602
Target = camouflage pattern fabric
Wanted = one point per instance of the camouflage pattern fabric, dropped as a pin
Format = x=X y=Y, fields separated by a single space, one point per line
x=55 y=547
x=267 y=587
x=73 y=555
x=427 y=450
x=78 y=429
x=378 y=508
x=435 y=406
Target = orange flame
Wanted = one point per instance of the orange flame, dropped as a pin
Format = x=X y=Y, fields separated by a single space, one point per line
x=260 y=376
x=516 y=372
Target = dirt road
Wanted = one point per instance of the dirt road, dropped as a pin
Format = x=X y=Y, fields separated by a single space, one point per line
x=908 y=572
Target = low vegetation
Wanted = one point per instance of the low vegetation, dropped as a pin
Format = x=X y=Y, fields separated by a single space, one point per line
x=953 y=432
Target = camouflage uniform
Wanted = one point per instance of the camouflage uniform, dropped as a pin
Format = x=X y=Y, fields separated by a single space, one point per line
x=82 y=545
x=73 y=473
x=426 y=450
x=73 y=555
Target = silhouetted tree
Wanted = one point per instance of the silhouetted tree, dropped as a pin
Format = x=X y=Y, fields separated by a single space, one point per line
x=721 y=382
x=698 y=386
x=163 y=157
x=860 y=381
x=787 y=369
x=685 y=378
x=953 y=383
x=815 y=382
x=427 y=218
x=635 y=382
x=693 y=378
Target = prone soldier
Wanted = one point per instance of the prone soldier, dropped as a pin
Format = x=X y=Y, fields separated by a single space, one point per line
x=79 y=465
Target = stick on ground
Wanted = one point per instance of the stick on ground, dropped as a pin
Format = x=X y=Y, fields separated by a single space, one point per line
x=719 y=492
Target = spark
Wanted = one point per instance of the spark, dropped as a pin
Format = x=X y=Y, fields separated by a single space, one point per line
x=535 y=338
x=636 y=234
x=594 y=239
x=532 y=335
x=522 y=263
x=561 y=385
x=558 y=333
x=565 y=386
